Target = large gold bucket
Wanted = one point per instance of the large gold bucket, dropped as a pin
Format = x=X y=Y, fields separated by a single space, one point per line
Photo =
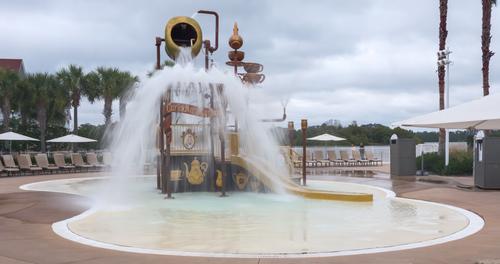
x=180 y=32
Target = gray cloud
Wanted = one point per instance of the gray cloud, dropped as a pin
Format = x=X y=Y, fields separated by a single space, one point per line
x=370 y=61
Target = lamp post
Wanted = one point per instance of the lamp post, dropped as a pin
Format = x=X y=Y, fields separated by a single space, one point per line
x=291 y=135
x=303 y=125
x=444 y=60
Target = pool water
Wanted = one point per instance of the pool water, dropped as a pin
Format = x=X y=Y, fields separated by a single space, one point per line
x=257 y=224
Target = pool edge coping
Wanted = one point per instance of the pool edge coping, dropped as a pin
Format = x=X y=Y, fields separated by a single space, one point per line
x=475 y=224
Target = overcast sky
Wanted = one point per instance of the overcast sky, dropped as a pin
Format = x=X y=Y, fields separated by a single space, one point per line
x=369 y=61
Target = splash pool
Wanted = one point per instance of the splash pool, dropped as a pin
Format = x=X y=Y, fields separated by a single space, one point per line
x=255 y=224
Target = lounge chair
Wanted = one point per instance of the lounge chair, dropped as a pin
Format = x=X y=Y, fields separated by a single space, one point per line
x=318 y=157
x=43 y=162
x=344 y=156
x=356 y=156
x=311 y=162
x=285 y=152
x=77 y=161
x=8 y=160
x=61 y=163
x=9 y=171
x=24 y=161
x=107 y=159
x=92 y=160
x=296 y=159
x=372 y=159
x=332 y=157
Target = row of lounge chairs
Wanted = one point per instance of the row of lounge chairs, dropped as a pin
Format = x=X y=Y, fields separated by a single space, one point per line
x=318 y=160
x=25 y=164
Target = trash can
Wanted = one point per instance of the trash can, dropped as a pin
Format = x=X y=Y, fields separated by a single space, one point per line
x=403 y=156
x=487 y=161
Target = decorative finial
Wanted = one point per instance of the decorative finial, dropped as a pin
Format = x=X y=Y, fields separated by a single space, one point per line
x=235 y=28
x=235 y=41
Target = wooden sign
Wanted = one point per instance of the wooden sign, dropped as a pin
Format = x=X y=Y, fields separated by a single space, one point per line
x=189 y=109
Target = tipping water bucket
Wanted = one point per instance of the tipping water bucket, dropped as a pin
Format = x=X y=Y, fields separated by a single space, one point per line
x=180 y=32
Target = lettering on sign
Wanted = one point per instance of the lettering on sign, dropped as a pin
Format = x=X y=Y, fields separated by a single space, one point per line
x=189 y=109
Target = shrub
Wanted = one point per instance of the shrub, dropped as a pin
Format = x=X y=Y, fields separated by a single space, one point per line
x=461 y=163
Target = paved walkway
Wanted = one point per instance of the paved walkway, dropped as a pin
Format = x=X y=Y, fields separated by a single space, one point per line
x=27 y=237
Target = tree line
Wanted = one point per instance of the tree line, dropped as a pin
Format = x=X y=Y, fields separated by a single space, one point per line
x=44 y=100
x=368 y=134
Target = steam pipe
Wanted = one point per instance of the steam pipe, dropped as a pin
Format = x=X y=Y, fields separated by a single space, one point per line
x=276 y=119
x=212 y=49
x=158 y=44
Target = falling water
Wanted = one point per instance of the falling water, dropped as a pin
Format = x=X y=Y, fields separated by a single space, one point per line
x=133 y=141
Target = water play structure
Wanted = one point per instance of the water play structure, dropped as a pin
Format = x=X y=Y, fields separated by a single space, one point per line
x=204 y=153
x=209 y=143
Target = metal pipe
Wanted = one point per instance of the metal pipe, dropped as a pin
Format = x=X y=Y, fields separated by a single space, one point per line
x=211 y=127
x=158 y=44
x=276 y=119
x=222 y=138
x=212 y=49
x=303 y=125
x=447 y=105
x=207 y=48
x=291 y=135
x=167 y=157
x=223 y=161
x=161 y=143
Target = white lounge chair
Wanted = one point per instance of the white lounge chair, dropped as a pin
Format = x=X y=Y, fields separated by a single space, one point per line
x=92 y=160
x=43 y=162
x=24 y=161
x=77 y=161
x=61 y=162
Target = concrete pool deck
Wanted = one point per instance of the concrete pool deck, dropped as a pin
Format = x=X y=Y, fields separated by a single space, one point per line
x=27 y=236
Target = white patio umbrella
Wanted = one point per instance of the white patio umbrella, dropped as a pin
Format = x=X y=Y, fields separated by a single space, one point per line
x=71 y=139
x=326 y=137
x=478 y=114
x=12 y=136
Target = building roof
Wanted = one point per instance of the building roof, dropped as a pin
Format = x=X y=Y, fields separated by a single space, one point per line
x=12 y=64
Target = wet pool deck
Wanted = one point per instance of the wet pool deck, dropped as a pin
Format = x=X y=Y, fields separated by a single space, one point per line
x=26 y=217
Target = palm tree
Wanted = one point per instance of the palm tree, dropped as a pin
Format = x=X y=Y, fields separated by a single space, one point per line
x=443 y=34
x=23 y=99
x=73 y=79
x=485 y=44
x=108 y=84
x=167 y=63
x=125 y=82
x=49 y=100
x=9 y=81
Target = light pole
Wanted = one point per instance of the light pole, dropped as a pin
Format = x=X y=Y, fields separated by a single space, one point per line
x=303 y=126
x=444 y=60
x=291 y=135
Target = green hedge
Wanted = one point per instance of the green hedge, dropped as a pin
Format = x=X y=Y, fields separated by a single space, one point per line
x=461 y=163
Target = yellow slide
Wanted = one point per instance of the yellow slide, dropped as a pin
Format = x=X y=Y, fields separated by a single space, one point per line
x=262 y=173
